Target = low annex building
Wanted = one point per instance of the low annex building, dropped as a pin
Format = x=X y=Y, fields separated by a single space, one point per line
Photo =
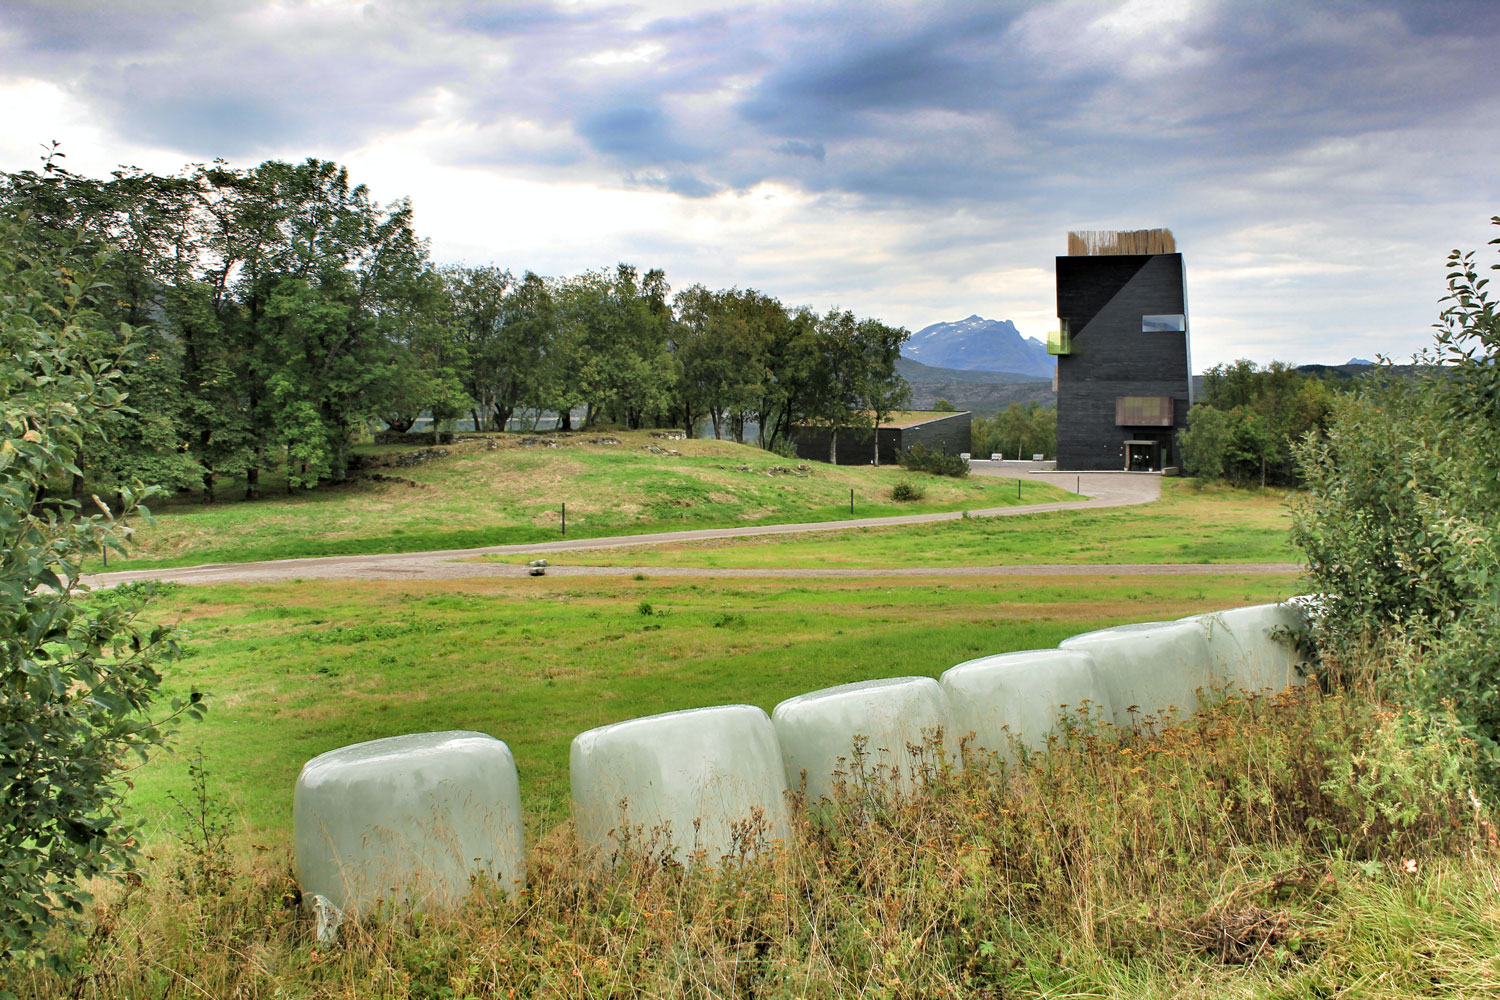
x=940 y=430
x=1124 y=370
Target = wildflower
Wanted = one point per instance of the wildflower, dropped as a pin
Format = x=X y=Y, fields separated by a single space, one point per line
x=1409 y=865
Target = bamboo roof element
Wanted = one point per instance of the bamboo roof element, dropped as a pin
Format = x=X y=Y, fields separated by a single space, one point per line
x=1099 y=242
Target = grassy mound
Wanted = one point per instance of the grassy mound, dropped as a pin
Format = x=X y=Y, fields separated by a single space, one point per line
x=502 y=490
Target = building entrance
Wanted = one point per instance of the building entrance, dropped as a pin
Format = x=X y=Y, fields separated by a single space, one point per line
x=1143 y=456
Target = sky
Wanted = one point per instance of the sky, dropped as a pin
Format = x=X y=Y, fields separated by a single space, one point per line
x=914 y=162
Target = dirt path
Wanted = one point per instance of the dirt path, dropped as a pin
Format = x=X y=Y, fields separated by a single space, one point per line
x=1104 y=489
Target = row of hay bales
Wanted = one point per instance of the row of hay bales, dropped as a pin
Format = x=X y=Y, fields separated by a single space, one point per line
x=414 y=819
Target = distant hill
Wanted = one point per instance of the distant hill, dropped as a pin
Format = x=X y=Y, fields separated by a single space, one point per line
x=985 y=393
x=979 y=344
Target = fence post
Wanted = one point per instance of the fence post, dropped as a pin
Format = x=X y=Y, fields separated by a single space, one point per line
x=565 y=520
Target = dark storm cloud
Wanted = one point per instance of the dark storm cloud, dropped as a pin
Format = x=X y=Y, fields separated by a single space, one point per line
x=933 y=104
x=635 y=135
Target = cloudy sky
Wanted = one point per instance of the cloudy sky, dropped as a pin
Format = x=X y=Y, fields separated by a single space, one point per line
x=914 y=161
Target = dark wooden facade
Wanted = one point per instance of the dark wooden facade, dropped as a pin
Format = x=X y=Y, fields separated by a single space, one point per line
x=1114 y=372
x=946 y=432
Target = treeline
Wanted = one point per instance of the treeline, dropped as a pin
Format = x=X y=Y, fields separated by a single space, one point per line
x=1245 y=428
x=1017 y=432
x=282 y=312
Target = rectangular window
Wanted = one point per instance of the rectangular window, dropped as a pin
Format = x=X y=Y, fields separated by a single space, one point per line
x=1143 y=411
x=1060 y=341
x=1175 y=323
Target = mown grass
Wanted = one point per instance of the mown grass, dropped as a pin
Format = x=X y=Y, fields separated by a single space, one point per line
x=1296 y=846
x=295 y=669
x=514 y=494
x=1189 y=524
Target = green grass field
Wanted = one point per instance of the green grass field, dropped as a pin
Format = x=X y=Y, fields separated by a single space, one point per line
x=514 y=494
x=297 y=669
x=1215 y=524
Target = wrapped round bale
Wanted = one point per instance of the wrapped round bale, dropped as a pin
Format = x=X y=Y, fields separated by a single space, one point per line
x=409 y=819
x=1255 y=648
x=817 y=731
x=708 y=779
x=1021 y=696
x=1151 y=669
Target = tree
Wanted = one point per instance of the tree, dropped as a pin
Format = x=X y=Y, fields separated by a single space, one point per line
x=943 y=406
x=1029 y=429
x=1275 y=407
x=1397 y=521
x=613 y=331
x=720 y=349
x=839 y=377
x=882 y=389
x=77 y=678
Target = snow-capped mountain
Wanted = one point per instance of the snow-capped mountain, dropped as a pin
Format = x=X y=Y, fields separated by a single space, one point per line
x=979 y=344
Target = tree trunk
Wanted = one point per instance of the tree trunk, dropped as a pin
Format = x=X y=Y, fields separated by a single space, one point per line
x=77 y=489
x=833 y=447
x=252 y=481
x=208 y=487
x=876 y=441
x=565 y=419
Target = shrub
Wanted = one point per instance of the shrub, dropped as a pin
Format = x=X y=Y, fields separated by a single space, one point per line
x=1398 y=519
x=920 y=458
x=904 y=492
x=76 y=678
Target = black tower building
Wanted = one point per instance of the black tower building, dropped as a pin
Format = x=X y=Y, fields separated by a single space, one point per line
x=1124 y=375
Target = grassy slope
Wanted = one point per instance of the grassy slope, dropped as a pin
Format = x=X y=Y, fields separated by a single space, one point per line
x=1216 y=524
x=297 y=669
x=479 y=497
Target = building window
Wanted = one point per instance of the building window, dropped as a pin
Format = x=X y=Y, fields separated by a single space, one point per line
x=1174 y=323
x=1143 y=411
x=1060 y=341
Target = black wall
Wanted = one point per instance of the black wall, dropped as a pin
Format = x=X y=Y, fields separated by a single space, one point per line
x=951 y=433
x=1103 y=299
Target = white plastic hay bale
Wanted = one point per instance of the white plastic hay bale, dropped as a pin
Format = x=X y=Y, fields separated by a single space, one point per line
x=410 y=819
x=817 y=731
x=680 y=782
x=1155 y=667
x=1255 y=648
x=1022 y=696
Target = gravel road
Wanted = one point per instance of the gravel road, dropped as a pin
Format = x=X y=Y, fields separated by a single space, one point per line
x=1104 y=489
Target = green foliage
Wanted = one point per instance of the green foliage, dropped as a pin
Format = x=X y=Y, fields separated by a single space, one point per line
x=1019 y=431
x=943 y=406
x=1398 y=520
x=920 y=458
x=76 y=680
x=1250 y=418
x=1235 y=445
x=904 y=492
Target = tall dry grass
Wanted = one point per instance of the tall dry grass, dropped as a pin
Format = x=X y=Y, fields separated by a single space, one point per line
x=1270 y=846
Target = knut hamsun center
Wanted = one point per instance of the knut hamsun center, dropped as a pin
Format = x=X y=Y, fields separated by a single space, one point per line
x=1124 y=375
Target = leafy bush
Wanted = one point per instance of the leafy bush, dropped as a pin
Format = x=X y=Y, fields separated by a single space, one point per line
x=920 y=458
x=76 y=678
x=904 y=492
x=1399 y=515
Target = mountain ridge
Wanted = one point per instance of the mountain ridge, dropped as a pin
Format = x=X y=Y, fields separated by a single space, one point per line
x=978 y=344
